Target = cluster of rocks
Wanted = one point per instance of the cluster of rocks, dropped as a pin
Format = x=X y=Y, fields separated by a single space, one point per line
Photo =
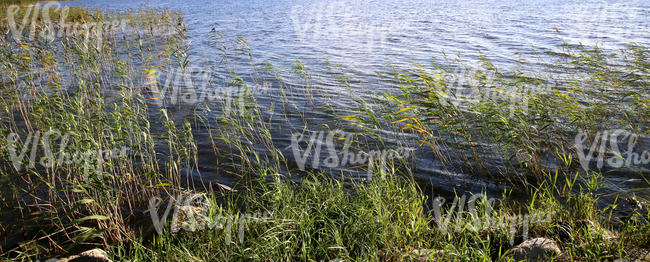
x=532 y=250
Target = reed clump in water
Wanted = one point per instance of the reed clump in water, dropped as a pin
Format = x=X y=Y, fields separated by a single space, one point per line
x=519 y=120
x=83 y=162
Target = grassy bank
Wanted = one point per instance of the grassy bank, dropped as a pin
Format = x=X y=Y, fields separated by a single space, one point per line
x=106 y=131
x=320 y=219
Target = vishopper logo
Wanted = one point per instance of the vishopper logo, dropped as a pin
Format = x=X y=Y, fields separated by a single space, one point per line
x=466 y=87
x=315 y=144
x=193 y=84
x=614 y=20
x=51 y=30
x=54 y=158
x=633 y=156
x=195 y=212
x=479 y=210
x=336 y=21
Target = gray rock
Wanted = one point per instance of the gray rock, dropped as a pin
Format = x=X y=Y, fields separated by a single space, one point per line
x=425 y=254
x=599 y=232
x=93 y=255
x=536 y=249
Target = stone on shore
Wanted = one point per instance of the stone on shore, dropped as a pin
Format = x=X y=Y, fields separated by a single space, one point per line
x=536 y=249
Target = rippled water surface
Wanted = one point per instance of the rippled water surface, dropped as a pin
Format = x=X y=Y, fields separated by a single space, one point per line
x=365 y=34
x=368 y=35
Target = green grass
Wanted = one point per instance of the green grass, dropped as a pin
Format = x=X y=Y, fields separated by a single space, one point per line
x=320 y=218
x=103 y=90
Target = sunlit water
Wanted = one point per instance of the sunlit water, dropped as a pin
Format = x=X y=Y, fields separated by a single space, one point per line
x=368 y=35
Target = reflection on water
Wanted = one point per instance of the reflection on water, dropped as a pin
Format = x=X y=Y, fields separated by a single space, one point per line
x=359 y=38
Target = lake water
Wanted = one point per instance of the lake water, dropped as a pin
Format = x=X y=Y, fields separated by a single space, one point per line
x=365 y=36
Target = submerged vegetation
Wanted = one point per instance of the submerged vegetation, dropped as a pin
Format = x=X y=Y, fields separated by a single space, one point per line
x=107 y=130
